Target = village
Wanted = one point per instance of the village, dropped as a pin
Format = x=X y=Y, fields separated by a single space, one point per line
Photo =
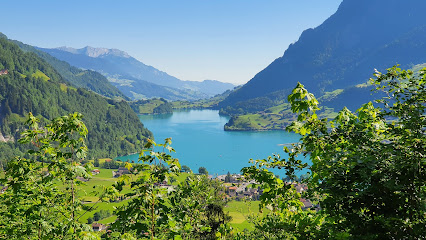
x=235 y=189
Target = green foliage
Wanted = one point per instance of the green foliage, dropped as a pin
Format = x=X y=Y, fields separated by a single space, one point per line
x=33 y=206
x=186 y=169
x=99 y=215
x=8 y=151
x=286 y=220
x=113 y=164
x=96 y=162
x=147 y=213
x=163 y=108
x=43 y=197
x=328 y=96
x=228 y=178
x=40 y=75
x=287 y=224
x=114 y=128
x=197 y=210
x=191 y=210
x=367 y=169
x=203 y=170
x=250 y=106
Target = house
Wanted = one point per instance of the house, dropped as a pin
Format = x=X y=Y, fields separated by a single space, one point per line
x=120 y=171
x=95 y=172
x=4 y=72
x=123 y=170
x=307 y=204
x=97 y=227
x=300 y=187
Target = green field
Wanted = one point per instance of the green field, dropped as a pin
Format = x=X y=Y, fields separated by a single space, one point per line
x=102 y=206
x=89 y=192
x=148 y=107
x=240 y=211
x=41 y=75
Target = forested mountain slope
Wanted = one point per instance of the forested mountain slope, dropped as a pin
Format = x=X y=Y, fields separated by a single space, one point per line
x=344 y=51
x=32 y=85
x=88 y=79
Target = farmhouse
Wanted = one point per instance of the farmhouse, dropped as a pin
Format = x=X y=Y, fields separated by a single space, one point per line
x=120 y=171
x=97 y=227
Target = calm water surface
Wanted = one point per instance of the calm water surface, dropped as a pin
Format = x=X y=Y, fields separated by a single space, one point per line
x=200 y=141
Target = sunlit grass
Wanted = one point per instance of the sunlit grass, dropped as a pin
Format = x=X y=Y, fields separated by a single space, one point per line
x=240 y=211
x=41 y=75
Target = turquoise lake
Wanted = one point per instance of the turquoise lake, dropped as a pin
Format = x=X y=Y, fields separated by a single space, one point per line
x=200 y=141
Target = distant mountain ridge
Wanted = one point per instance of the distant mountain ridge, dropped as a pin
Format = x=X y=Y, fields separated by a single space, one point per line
x=88 y=79
x=134 y=78
x=95 y=52
x=344 y=50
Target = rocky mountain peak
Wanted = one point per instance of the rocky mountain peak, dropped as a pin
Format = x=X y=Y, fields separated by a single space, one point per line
x=95 y=52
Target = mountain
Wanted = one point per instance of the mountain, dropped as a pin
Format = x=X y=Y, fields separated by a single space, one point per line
x=133 y=77
x=210 y=87
x=88 y=79
x=343 y=51
x=32 y=85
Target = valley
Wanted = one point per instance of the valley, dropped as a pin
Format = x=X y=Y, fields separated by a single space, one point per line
x=324 y=139
x=89 y=190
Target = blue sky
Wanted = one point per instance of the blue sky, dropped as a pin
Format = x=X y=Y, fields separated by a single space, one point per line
x=226 y=40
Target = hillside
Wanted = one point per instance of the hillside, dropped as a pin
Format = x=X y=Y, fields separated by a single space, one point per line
x=134 y=78
x=88 y=79
x=280 y=116
x=210 y=103
x=152 y=106
x=32 y=85
x=343 y=52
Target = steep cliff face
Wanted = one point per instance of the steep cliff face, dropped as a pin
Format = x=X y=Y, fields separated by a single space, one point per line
x=344 y=50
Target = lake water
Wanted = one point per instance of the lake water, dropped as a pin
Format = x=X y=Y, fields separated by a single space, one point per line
x=200 y=141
